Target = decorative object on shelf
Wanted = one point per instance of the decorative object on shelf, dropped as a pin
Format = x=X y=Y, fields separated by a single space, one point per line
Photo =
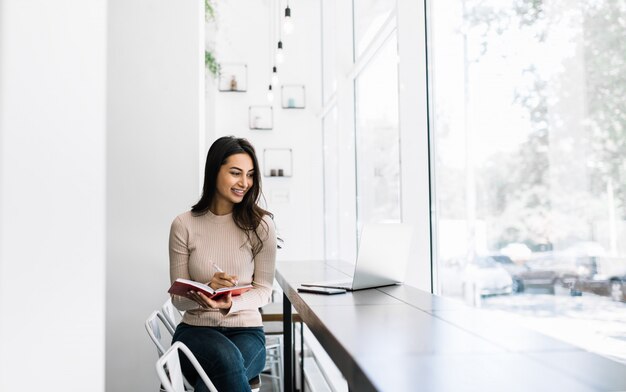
x=293 y=96
x=277 y=162
x=233 y=77
x=261 y=117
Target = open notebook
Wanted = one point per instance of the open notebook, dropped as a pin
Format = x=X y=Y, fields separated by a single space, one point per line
x=382 y=258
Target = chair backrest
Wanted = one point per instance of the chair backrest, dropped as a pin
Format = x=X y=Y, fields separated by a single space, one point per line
x=170 y=373
x=153 y=326
x=171 y=314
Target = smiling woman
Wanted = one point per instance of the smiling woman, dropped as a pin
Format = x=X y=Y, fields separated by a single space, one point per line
x=235 y=178
x=226 y=239
x=224 y=155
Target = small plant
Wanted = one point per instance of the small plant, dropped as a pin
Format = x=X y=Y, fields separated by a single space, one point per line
x=209 y=11
x=210 y=62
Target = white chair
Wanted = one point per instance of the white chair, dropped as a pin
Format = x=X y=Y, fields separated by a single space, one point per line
x=171 y=314
x=170 y=373
x=273 y=346
x=272 y=316
x=154 y=330
x=153 y=326
x=274 y=361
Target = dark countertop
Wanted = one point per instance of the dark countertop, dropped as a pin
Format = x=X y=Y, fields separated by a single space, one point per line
x=399 y=338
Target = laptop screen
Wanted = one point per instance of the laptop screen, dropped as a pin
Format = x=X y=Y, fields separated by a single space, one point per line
x=383 y=255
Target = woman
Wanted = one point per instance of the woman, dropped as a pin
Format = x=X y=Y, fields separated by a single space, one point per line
x=226 y=239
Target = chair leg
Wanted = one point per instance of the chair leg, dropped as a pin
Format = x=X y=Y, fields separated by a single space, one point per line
x=280 y=364
x=274 y=362
x=255 y=384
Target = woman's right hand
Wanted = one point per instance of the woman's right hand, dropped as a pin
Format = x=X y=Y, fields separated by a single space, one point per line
x=223 y=302
x=222 y=279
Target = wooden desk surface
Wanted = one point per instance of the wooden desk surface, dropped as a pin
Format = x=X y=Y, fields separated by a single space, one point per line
x=399 y=338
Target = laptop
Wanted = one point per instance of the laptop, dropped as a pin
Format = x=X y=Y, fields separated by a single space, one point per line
x=381 y=260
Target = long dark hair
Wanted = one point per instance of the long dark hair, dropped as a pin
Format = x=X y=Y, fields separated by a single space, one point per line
x=247 y=214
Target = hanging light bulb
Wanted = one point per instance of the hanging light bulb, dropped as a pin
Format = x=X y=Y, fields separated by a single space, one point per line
x=270 y=94
x=280 y=57
x=274 y=76
x=288 y=24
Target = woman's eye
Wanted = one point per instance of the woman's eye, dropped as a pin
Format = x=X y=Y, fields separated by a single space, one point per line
x=250 y=175
x=235 y=173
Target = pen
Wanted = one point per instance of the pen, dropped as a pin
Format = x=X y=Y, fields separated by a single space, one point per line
x=221 y=270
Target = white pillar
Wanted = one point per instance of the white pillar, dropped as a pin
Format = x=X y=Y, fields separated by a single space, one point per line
x=155 y=125
x=52 y=194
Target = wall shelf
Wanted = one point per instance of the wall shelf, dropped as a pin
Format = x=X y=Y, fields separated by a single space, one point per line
x=277 y=162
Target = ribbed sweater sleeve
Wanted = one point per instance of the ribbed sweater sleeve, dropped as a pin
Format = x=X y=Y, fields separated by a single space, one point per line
x=200 y=243
x=179 y=261
x=264 y=265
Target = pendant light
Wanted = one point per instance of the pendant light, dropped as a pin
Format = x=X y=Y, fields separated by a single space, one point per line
x=280 y=57
x=274 y=76
x=270 y=94
x=288 y=23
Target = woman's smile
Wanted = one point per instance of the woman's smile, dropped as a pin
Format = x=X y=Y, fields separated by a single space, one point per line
x=234 y=180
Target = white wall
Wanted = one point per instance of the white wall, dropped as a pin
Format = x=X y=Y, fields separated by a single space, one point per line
x=52 y=194
x=243 y=36
x=155 y=124
x=73 y=194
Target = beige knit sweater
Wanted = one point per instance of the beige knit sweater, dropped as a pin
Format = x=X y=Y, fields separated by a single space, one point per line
x=199 y=243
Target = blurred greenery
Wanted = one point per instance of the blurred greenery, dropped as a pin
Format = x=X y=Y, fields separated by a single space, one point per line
x=209 y=11
x=554 y=187
x=210 y=62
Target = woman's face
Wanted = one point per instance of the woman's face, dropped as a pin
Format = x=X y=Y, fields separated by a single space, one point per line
x=234 y=179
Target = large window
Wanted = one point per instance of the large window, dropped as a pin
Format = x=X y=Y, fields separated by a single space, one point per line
x=369 y=18
x=361 y=135
x=331 y=185
x=529 y=147
x=377 y=137
x=329 y=40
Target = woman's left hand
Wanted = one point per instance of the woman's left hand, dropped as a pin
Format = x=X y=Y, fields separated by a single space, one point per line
x=221 y=302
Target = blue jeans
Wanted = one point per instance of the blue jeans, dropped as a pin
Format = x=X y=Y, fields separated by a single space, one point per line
x=229 y=356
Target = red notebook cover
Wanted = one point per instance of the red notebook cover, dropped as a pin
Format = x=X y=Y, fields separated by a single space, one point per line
x=182 y=286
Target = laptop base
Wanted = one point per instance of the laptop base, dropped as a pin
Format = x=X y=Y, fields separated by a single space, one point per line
x=338 y=284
